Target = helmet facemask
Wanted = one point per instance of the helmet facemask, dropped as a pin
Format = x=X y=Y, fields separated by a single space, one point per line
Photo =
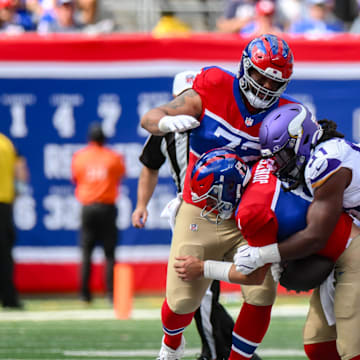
x=257 y=95
x=288 y=167
x=214 y=198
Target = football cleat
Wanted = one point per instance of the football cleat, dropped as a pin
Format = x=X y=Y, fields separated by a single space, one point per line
x=167 y=353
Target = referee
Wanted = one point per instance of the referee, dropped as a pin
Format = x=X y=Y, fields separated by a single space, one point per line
x=213 y=322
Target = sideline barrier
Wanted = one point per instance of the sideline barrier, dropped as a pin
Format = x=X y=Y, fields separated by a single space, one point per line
x=54 y=86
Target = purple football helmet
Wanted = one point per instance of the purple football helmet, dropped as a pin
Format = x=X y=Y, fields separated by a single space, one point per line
x=272 y=58
x=217 y=182
x=288 y=135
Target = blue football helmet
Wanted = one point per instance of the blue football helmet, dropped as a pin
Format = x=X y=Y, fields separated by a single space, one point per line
x=217 y=182
x=288 y=135
x=272 y=58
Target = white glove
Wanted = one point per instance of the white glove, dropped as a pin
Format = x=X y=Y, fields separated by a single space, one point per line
x=276 y=271
x=247 y=259
x=177 y=123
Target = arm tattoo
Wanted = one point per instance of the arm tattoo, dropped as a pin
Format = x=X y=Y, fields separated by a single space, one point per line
x=183 y=101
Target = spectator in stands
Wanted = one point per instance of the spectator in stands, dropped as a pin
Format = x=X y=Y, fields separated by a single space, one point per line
x=41 y=8
x=237 y=14
x=264 y=22
x=13 y=168
x=14 y=18
x=87 y=11
x=288 y=12
x=62 y=20
x=170 y=25
x=97 y=172
x=319 y=20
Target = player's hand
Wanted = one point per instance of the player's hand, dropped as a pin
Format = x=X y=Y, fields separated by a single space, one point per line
x=247 y=259
x=189 y=267
x=139 y=217
x=177 y=123
x=276 y=271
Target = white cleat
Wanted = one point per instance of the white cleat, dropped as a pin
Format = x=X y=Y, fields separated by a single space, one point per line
x=166 y=353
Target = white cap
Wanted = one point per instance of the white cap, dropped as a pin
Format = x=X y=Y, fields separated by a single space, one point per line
x=183 y=81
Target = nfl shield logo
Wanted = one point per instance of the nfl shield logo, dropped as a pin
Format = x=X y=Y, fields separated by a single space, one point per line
x=193 y=227
x=249 y=121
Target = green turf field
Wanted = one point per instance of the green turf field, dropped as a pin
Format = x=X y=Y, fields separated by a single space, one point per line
x=63 y=328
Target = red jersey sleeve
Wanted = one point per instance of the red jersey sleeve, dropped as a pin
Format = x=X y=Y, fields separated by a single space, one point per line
x=258 y=225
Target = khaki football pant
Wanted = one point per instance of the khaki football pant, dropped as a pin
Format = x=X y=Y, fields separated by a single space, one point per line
x=196 y=236
x=346 y=304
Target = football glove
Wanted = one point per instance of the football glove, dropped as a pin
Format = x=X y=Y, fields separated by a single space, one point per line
x=276 y=270
x=247 y=259
x=177 y=123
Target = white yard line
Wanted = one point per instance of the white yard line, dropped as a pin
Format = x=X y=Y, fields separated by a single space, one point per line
x=137 y=314
x=188 y=352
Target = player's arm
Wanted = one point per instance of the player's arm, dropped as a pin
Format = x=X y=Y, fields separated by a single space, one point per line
x=322 y=217
x=146 y=185
x=180 y=114
x=191 y=268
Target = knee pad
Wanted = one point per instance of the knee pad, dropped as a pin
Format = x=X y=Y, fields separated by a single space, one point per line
x=183 y=304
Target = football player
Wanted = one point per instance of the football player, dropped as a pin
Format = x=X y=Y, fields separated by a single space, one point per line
x=266 y=215
x=213 y=322
x=315 y=158
x=222 y=109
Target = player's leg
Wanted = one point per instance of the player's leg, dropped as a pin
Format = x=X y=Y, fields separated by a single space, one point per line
x=319 y=337
x=347 y=301
x=254 y=318
x=182 y=297
x=196 y=236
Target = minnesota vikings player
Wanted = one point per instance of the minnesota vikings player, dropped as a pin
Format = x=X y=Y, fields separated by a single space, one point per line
x=266 y=215
x=315 y=156
x=223 y=109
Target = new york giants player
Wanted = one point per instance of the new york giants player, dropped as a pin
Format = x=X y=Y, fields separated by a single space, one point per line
x=266 y=215
x=223 y=110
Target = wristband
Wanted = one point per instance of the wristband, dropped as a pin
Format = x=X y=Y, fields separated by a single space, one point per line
x=217 y=270
x=270 y=254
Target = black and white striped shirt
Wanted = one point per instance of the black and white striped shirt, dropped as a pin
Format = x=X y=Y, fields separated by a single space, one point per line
x=171 y=146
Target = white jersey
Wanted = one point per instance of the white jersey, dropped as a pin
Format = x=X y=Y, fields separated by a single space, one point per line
x=328 y=158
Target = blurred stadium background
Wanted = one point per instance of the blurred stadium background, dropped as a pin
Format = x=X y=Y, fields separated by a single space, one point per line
x=52 y=87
